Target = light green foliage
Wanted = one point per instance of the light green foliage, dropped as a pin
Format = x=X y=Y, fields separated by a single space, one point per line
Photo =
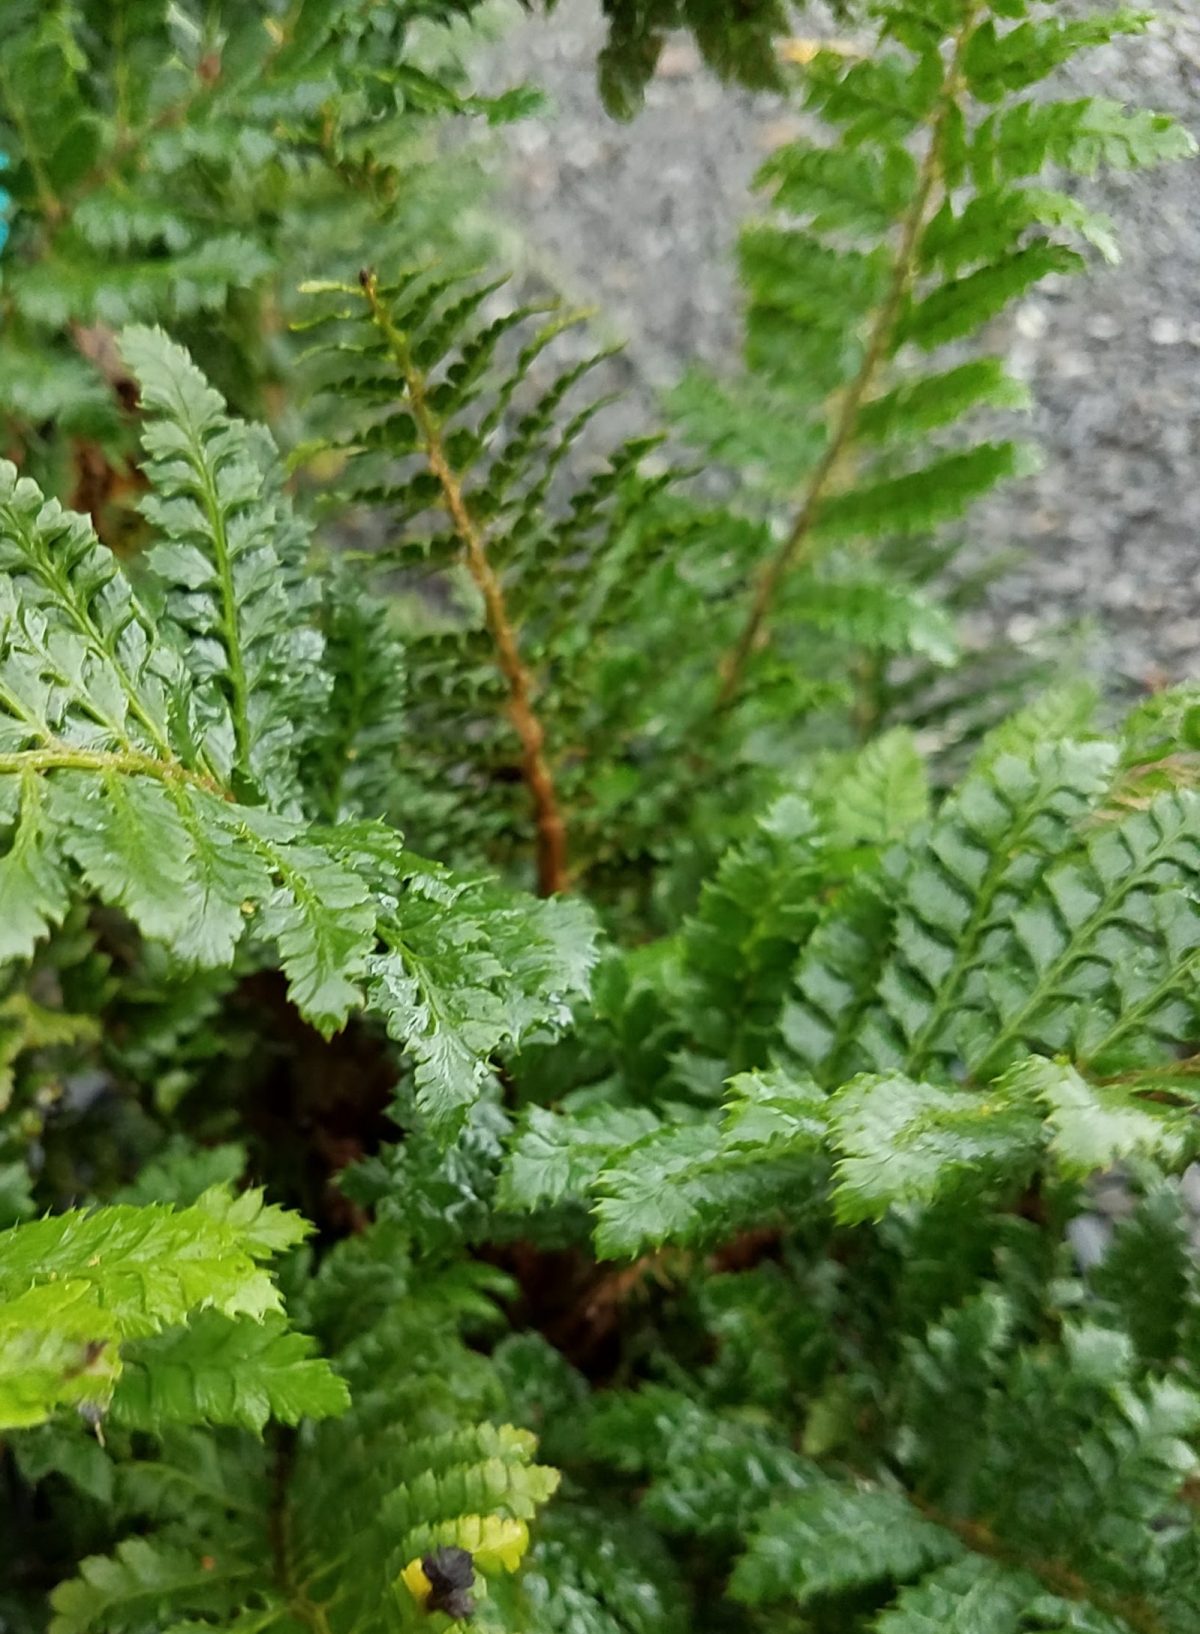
x=222 y=1372
x=322 y=1524
x=231 y=566
x=75 y=1287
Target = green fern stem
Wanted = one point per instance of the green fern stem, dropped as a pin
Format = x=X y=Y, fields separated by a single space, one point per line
x=795 y=548
x=551 y=845
x=124 y=763
x=239 y=701
x=1141 y=1012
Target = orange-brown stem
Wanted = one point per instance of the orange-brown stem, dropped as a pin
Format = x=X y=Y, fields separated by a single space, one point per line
x=844 y=428
x=551 y=843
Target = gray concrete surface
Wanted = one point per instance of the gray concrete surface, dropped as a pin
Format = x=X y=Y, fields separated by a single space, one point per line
x=641 y=219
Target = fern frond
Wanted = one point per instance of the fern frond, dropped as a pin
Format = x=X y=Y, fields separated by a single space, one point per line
x=75 y=1286
x=830 y=1539
x=90 y=289
x=120 y=747
x=463 y=446
x=149 y=1267
x=143 y=1584
x=594 y=1571
x=990 y=845
x=905 y=230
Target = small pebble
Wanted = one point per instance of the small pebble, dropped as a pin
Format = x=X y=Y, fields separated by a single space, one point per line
x=1166 y=332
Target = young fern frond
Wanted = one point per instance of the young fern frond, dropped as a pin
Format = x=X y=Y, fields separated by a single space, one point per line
x=327 y=1530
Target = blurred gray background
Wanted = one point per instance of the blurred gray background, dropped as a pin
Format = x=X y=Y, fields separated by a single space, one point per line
x=640 y=220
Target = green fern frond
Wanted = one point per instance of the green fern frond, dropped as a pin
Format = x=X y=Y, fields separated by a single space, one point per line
x=902 y=231
x=230 y=552
x=145 y=1583
x=75 y=1286
x=464 y=446
x=120 y=746
x=830 y=1539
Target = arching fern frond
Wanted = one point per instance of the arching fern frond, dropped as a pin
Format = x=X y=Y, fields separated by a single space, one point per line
x=135 y=760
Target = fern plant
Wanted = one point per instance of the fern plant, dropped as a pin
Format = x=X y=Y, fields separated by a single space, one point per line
x=738 y=1271
x=903 y=1404
x=923 y=212
x=929 y=207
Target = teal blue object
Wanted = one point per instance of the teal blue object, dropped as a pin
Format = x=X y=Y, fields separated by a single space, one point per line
x=5 y=201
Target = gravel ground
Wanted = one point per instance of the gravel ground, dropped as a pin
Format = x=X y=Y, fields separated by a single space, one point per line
x=640 y=220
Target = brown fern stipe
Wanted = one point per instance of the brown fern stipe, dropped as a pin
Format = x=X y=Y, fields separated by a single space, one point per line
x=551 y=842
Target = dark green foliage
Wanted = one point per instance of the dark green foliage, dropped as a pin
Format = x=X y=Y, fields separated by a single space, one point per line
x=769 y=1218
x=185 y=164
x=738 y=42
